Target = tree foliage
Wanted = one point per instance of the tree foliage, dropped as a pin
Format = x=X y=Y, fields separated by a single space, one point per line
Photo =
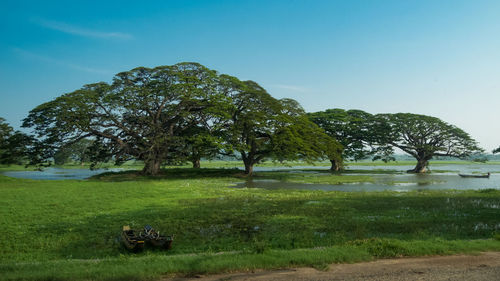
x=262 y=127
x=304 y=140
x=141 y=115
x=197 y=142
x=173 y=114
x=352 y=128
x=14 y=145
x=76 y=152
x=424 y=137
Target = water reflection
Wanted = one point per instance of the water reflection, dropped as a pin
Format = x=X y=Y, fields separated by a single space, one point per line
x=447 y=178
x=58 y=173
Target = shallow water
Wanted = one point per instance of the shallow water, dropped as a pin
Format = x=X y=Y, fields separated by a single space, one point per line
x=58 y=174
x=395 y=182
x=447 y=168
x=386 y=183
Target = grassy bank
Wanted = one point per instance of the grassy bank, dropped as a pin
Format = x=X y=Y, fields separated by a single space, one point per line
x=137 y=165
x=153 y=266
x=4 y=168
x=53 y=230
x=297 y=176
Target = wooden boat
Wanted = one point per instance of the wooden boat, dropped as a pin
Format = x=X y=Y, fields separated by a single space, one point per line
x=474 y=176
x=131 y=240
x=154 y=238
x=164 y=242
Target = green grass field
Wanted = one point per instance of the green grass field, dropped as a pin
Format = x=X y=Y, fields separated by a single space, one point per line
x=137 y=165
x=60 y=230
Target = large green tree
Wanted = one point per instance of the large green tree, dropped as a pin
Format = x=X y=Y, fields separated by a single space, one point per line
x=14 y=145
x=352 y=128
x=424 y=137
x=141 y=115
x=262 y=127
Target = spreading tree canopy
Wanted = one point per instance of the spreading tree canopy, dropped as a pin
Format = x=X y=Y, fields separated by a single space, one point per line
x=424 y=137
x=177 y=113
x=141 y=115
x=262 y=127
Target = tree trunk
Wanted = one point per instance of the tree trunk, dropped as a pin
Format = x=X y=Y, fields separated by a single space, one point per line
x=248 y=168
x=336 y=166
x=151 y=167
x=249 y=162
x=421 y=166
x=196 y=164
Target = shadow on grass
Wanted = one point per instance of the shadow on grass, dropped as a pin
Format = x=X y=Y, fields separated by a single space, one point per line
x=171 y=173
x=252 y=224
x=301 y=175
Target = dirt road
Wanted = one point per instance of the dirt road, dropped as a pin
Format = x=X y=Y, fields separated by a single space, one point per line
x=483 y=267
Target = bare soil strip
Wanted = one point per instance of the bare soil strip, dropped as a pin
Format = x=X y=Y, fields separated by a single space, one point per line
x=483 y=267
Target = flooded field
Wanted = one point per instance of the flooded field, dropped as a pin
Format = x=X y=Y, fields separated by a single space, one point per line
x=388 y=177
x=392 y=178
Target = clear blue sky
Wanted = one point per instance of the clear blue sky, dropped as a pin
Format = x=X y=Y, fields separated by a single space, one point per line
x=440 y=58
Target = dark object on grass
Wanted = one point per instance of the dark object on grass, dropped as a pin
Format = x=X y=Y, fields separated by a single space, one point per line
x=131 y=240
x=153 y=237
x=475 y=176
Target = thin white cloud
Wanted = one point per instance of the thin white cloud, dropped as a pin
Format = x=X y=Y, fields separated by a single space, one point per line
x=291 y=88
x=74 y=30
x=46 y=59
